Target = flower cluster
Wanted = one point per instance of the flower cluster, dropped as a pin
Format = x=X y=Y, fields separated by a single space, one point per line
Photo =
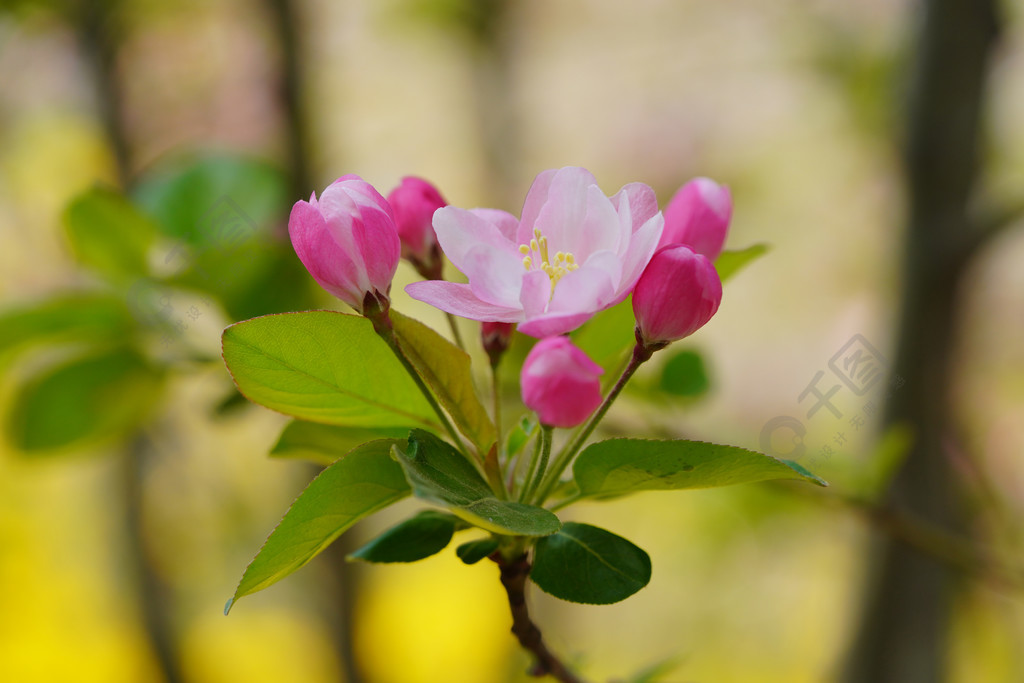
x=572 y=253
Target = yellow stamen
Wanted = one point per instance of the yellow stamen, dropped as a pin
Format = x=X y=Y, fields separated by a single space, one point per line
x=564 y=262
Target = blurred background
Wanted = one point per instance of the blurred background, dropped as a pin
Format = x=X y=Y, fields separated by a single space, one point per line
x=150 y=152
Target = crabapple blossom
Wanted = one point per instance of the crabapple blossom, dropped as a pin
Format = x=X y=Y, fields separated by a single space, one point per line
x=560 y=383
x=698 y=216
x=574 y=252
x=348 y=241
x=677 y=294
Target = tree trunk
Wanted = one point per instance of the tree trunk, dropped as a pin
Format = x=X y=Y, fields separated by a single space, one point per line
x=903 y=635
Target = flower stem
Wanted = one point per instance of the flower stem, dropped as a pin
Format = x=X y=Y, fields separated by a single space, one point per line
x=513 y=578
x=456 y=335
x=641 y=353
x=531 y=471
x=496 y=399
x=382 y=326
x=545 y=454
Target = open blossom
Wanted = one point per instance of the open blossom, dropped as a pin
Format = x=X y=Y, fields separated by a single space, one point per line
x=347 y=240
x=560 y=383
x=698 y=216
x=574 y=252
x=678 y=293
x=414 y=202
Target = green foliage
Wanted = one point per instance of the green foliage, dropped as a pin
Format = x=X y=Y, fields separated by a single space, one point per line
x=109 y=235
x=618 y=467
x=227 y=213
x=732 y=261
x=419 y=537
x=446 y=369
x=440 y=474
x=188 y=196
x=359 y=484
x=584 y=563
x=684 y=375
x=323 y=444
x=474 y=551
x=608 y=335
x=520 y=434
x=92 y=397
x=325 y=367
x=66 y=318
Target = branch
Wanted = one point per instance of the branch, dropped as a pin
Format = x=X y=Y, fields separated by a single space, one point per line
x=513 y=578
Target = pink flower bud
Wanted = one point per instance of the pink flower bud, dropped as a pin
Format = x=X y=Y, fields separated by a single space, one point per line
x=698 y=215
x=414 y=202
x=560 y=383
x=347 y=240
x=495 y=338
x=677 y=294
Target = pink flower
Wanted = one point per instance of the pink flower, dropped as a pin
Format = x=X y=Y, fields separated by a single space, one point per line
x=560 y=383
x=677 y=294
x=698 y=215
x=414 y=202
x=575 y=252
x=347 y=240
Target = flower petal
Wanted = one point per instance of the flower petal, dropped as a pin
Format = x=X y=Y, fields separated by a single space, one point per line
x=562 y=216
x=535 y=293
x=495 y=276
x=551 y=324
x=601 y=229
x=642 y=201
x=535 y=199
x=459 y=231
x=587 y=289
x=325 y=259
x=458 y=299
x=506 y=223
x=379 y=246
x=641 y=248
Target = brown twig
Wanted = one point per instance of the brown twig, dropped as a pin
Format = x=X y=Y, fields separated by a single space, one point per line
x=513 y=578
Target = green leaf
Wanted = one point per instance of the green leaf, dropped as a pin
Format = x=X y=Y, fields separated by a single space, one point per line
x=584 y=563
x=446 y=368
x=67 y=318
x=440 y=474
x=608 y=335
x=419 y=537
x=227 y=211
x=92 y=397
x=474 y=551
x=684 y=375
x=108 y=234
x=619 y=466
x=324 y=444
x=189 y=197
x=325 y=367
x=363 y=482
x=730 y=262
